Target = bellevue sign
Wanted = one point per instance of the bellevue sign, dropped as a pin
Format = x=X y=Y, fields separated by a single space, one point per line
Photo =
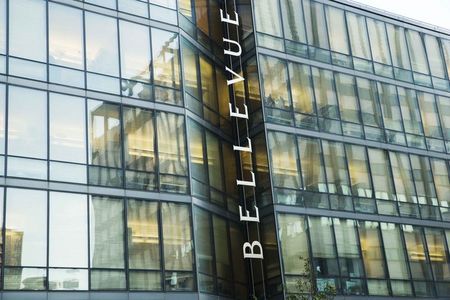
x=254 y=249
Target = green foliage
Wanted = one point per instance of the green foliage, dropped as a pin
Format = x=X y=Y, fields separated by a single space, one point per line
x=307 y=286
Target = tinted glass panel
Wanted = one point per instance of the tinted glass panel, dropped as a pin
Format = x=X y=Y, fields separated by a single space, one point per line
x=397 y=43
x=430 y=118
x=358 y=35
x=337 y=29
x=378 y=41
x=382 y=180
x=316 y=28
x=371 y=248
x=3 y=26
x=324 y=91
x=389 y=106
x=401 y=170
x=436 y=249
x=393 y=247
x=414 y=240
x=444 y=110
x=336 y=168
x=293 y=21
x=323 y=246
x=441 y=180
x=267 y=16
x=347 y=243
x=301 y=89
x=312 y=165
x=416 y=51
x=275 y=81
x=294 y=243
x=437 y=65
x=370 y=107
x=358 y=169
x=410 y=110
x=348 y=103
x=166 y=58
x=215 y=170
x=423 y=179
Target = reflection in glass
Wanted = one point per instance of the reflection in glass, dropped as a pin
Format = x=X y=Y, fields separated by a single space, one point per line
x=203 y=242
x=410 y=110
x=104 y=134
x=207 y=78
x=215 y=169
x=437 y=65
x=294 y=243
x=370 y=107
x=323 y=246
x=347 y=244
x=393 y=247
x=166 y=58
x=436 y=249
x=26 y=228
x=145 y=280
x=101 y=44
x=2 y=117
x=371 y=249
x=293 y=21
x=401 y=170
x=107 y=280
x=67 y=279
x=441 y=180
x=325 y=95
x=27 y=128
x=397 y=43
x=134 y=51
x=267 y=17
x=177 y=237
x=336 y=167
x=24 y=279
x=316 y=28
x=106 y=234
x=358 y=169
x=67 y=128
x=275 y=81
x=27 y=29
x=3 y=26
x=418 y=262
x=382 y=180
x=312 y=165
x=143 y=235
x=284 y=157
x=222 y=251
x=348 y=103
x=378 y=41
x=301 y=89
x=389 y=106
x=337 y=29
x=190 y=62
x=68 y=239
x=446 y=49
x=444 y=111
x=358 y=35
x=416 y=51
x=430 y=118
x=65 y=36
x=423 y=179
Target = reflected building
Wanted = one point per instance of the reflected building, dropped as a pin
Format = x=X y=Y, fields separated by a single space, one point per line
x=117 y=168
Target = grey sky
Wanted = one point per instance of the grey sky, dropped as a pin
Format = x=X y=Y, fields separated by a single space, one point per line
x=434 y=12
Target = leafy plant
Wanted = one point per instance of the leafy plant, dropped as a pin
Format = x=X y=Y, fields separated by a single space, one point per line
x=307 y=286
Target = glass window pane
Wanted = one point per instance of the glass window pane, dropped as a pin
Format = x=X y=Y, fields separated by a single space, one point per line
x=316 y=28
x=171 y=152
x=139 y=139
x=3 y=26
x=275 y=82
x=104 y=134
x=437 y=65
x=106 y=232
x=197 y=151
x=2 y=117
x=215 y=170
x=143 y=235
x=166 y=58
x=294 y=243
x=371 y=249
x=134 y=51
x=284 y=157
x=430 y=118
x=145 y=280
x=293 y=21
x=444 y=110
x=347 y=243
x=68 y=279
x=323 y=246
x=27 y=122
x=397 y=43
x=65 y=36
x=301 y=89
x=348 y=103
x=389 y=106
x=336 y=168
x=393 y=247
x=67 y=130
x=378 y=41
x=446 y=49
x=401 y=170
x=27 y=29
x=416 y=52
x=358 y=35
x=267 y=17
x=359 y=173
x=68 y=233
x=26 y=228
x=410 y=110
x=312 y=166
x=222 y=251
x=423 y=179
x=436 y=249
x=201 y=15
x=107 y=280
x=25 y=279
x=190 y=63
x=325 y=95
x=441 y=180
x=337 y=29
x=370 y=107
x=101 y=44
x=382 y=180
x=203 y=242
x=209 y=92
x=414 y=240
x=177 y=237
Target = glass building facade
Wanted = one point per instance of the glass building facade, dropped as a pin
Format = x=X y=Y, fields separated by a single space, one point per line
x=117 y=169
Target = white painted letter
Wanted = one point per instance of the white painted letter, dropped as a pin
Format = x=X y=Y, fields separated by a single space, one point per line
x=247 y=217
x=252 y=254
x=244 y=149
x=233 y=81
x=237 y=114
x=226 y=18
x=247 y=183
x=229 y=52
